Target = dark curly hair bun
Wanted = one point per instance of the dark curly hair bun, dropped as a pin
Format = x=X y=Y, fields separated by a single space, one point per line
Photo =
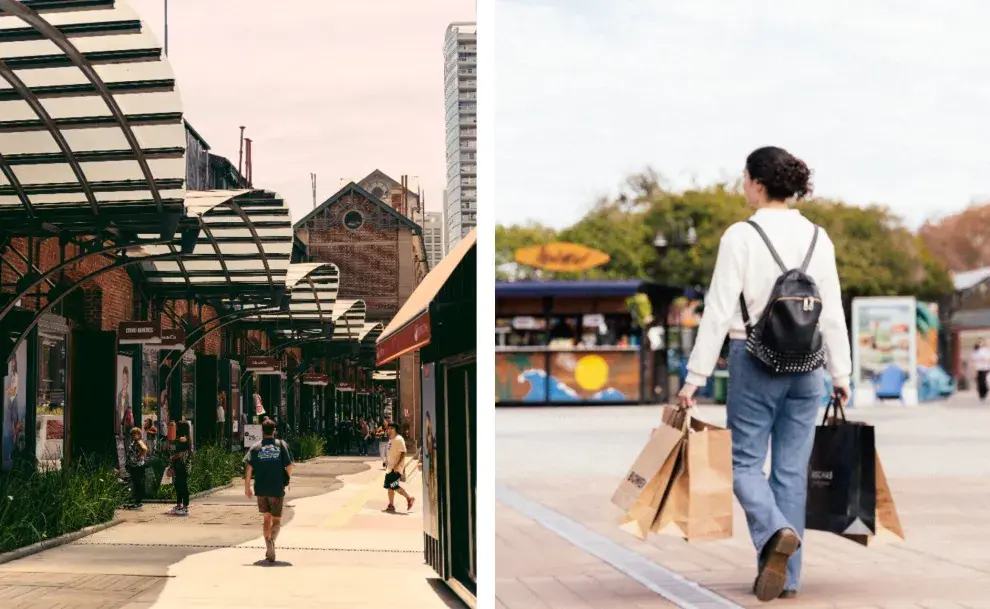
x=782 y=174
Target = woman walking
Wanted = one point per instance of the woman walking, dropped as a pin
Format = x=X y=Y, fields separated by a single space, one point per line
x=775 y=292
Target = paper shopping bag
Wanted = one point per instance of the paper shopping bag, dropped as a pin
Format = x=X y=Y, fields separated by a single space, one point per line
x=663 y=441
x=887 y=522
x=700 y=502
x=640 y=517
x=842 y=477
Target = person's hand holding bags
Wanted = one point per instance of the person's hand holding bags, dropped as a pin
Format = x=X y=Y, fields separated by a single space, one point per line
x=685 y=397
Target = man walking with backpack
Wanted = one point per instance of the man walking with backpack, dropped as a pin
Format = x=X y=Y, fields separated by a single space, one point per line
x=270 y=462
x=775 y=292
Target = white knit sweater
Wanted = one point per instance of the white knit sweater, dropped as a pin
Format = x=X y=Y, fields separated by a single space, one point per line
x=746 y=265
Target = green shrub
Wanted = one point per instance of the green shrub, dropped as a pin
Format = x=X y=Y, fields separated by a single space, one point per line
x=210 y=466
x=38 y=505
x=306 y=446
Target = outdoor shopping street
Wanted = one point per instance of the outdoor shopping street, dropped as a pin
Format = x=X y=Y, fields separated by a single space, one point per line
x=936 y=457
x=337 y=549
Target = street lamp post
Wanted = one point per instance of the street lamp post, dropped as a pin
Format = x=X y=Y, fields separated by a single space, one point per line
x=681 y=239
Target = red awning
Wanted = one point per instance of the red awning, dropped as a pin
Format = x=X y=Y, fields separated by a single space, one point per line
x=410 y=328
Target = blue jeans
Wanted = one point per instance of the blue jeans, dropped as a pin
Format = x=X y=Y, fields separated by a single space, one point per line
x=780 y=410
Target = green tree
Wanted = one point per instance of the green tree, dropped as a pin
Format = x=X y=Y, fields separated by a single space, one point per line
x=510 y=238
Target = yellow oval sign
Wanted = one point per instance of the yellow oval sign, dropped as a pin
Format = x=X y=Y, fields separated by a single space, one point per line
x=561 y=257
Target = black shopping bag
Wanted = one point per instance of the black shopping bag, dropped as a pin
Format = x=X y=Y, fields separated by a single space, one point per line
x=842 y=487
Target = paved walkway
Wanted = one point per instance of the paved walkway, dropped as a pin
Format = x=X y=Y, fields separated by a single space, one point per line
x=337 y=548
x=937 y=458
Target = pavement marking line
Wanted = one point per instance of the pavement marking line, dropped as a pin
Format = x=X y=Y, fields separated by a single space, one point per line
x=679 y=590
x=352 y=506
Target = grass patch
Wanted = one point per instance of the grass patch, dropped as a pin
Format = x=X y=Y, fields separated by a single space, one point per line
x=307 y=446
x=42 y=504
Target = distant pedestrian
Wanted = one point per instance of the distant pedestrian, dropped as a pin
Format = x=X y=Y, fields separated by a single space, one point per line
x=775 y=280
x=980 y=362
x=137 y=454
x=180 y=474
x=271 y=464
x=393 y=476
x=382 y=435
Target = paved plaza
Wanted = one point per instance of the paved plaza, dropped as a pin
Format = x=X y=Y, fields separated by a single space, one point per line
x=558 y=544
x=337 y=548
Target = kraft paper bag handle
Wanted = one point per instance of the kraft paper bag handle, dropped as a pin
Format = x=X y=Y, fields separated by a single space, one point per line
x=682 y=417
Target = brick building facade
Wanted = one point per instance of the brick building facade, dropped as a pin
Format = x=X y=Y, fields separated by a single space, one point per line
x=381 y=259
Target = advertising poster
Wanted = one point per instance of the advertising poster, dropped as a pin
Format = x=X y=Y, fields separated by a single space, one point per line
x=150 y=407
x=884 y=348
x=14 y=441
x=431 y=513
x=252 y=434
x=124 y=414
x=236 y=409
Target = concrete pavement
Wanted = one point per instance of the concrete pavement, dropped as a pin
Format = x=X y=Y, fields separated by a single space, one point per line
x=336 y=549
x=936 y=457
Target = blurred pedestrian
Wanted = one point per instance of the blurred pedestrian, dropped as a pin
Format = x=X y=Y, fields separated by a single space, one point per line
x=980 y=363
x=270 y=462
x=777 y=252
x=179 y=462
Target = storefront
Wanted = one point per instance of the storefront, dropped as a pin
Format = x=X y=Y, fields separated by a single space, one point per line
x=576 y=342
x=439 y=320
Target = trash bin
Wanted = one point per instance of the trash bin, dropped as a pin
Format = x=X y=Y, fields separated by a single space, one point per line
x=720 y=390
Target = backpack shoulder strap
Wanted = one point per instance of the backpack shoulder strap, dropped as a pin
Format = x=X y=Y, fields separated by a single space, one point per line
x=773 y=250
x=811 y=250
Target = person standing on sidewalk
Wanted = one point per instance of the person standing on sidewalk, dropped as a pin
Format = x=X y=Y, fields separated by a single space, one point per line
x=137 y=453
x=766 y=407
x=980 y=363
x=180 y=474
x=382 y=434
x=393 y=476
x=271 y=464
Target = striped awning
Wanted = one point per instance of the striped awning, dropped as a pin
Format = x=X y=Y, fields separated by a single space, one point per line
x=312 y=289
x=91 y=127
x=242 y=251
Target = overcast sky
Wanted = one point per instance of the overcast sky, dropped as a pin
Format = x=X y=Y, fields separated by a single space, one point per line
x=331 y=87
x=888 y=102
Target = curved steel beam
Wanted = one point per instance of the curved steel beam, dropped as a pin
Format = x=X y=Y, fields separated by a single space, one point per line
x=216 y=250
x=257 y=238
x=15 y=183
x=206 y=332
x=36 y=21
x=39 y=110
x=85 y=278
x=43 y=277
x=316 y=297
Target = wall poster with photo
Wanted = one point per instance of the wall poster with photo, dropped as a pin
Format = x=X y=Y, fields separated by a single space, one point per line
x=14 y=440
x=124 y=414
x=431 y=509
x=151 y=405
x=51 y=412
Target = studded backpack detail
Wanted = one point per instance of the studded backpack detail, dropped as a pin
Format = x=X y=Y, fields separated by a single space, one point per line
x=787 y=337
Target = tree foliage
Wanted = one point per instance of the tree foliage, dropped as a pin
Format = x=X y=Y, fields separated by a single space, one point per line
x=876 y=254
x=960 y=240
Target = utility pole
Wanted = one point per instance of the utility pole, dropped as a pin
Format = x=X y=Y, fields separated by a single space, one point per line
x=240 y=156
x=312 y=180
x=166 y=28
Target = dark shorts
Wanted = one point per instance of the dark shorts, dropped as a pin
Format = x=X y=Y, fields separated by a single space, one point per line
x=271 y=505
x=392 y=480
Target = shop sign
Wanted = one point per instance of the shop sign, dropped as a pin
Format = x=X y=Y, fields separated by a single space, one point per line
x=172 y=338
x=315 y=379
x=138 y=333
x=561 y=257
x=412 y=336
x=263 y=365
x=252 y=435
x=345 y=386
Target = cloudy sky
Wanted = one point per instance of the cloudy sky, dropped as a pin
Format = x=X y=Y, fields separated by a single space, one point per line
x=333 y=88
x=888 y=102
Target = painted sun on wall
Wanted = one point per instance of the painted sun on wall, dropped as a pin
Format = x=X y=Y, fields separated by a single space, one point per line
x=573 y=377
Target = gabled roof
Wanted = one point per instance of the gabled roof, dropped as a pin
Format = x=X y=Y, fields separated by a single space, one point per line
x=378 y=174
x=353 y=188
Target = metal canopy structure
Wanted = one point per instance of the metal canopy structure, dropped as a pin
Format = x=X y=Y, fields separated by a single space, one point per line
x=241 y=252
x=91 y=129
